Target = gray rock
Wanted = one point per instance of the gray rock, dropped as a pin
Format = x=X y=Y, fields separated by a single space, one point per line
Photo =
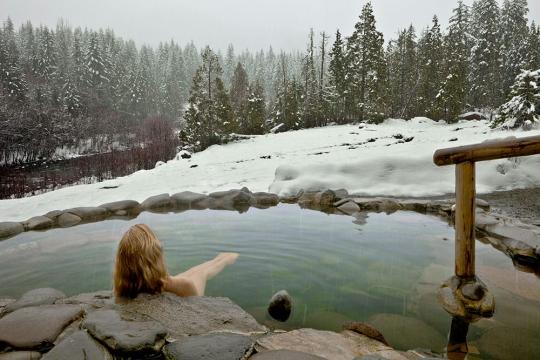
x=509 y=343
x=325 y=198
x=262 y=199
x=53 y=215
x=10 y=228
x=483 y=204
x=224 y=346
x=159 y=202
x=5 y=302
x=349 y=208
x=125 y=336
x=473 y=291
x=38 y=223
x=99 y=299
x=68 y=219
x=365 y=329
x=36 y=297
x=285 y=355
x=78 y=346
x=341 y=194
x=36 y=327
x=192 y=315
x=280 y=306
x=123 y=208
x=89 y=213
x=21 y=355
x=231 y=197
x=186 y=200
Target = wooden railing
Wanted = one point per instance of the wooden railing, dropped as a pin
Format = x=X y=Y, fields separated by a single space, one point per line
x=465 y=157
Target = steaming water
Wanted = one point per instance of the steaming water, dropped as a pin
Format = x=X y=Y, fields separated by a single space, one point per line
x=384 y=269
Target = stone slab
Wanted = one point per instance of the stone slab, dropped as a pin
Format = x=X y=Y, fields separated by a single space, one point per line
x=36 y=297
x=225 y=346
x=79 y=346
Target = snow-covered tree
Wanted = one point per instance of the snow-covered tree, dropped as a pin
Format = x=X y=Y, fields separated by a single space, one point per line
x=523 y=108
x=310 y=98
x=337 y=82
x=255 y=111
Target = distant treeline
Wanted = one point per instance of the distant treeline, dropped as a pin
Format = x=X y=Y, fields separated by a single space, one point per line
x=65 y=85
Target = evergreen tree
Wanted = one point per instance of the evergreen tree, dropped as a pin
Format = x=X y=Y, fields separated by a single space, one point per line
x=225 y=120
x=12 y=77
x=337 y=72
x=484 y=70
x=533 y=48
x=366 y=68
x=430 y=54
x=229 y=66
x=523 y=108
x=255 y=111
x=239 y=93
x=457 y=53
x=514 y=34
x=310 y=86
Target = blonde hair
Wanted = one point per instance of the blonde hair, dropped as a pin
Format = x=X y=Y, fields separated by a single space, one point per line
x=139 y=266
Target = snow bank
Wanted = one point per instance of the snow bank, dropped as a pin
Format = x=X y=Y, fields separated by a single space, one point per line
x=371 y=160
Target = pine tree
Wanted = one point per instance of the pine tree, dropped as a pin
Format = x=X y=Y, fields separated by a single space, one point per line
x=366 y=68
x=225 y=120
x=533 y=48
x=229 y=66
x=430 y=54
x=255 y=110
x=337 y=72
x=514 y=34
x=484 y=70
x=12 y=77
x=310 y=86
x=239 y=93
x=523 y=108
x=456 y=53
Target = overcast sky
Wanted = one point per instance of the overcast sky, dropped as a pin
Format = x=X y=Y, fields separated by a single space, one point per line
x=252 y=24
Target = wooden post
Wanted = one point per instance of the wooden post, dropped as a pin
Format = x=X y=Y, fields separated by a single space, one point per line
x=464 y=219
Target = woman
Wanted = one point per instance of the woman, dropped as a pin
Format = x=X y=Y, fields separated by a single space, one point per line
x=140 y=268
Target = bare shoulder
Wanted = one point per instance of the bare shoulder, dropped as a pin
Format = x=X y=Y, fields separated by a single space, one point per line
x=181 y=286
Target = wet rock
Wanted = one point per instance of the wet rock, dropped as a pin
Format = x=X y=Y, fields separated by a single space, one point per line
x=38 y=223
x=285 y=355
x=263 y=199
x=78 y=346
x=403 y=332
x=123 y=208
x=190 y=200
x=68 y=219
x=341 y=194
x=97 y=299
x=36 y=327
x=21 y=355
x=125 y=336
x=89 y=213
x=365 y=329
x=325 y=198
x=157 y=202
x=280 y=305
x=224 y=346
x=509 y=343
x=36 y=297
x=10 y=228
x=5 y=302
x=230 y=200
x=326 y=344
x=349 y=208
x=473 y=291
x=483 y=204
x=192 y=315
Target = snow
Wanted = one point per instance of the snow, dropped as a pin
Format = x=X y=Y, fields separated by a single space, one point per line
x=330 y=157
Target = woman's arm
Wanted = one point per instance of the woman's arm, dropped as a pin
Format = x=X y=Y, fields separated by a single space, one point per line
x=193 y=281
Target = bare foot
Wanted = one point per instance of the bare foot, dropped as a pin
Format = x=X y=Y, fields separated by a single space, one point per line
x=228 y=257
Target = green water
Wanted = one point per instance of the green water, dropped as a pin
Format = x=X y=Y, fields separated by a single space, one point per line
x=384 y=270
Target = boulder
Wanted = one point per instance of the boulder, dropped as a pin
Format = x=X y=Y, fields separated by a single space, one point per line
x=123 y=208
x=21 y=355
x=280 y=306
x=5 y=302
x=473 y=115
x=38 y=223
x=125 y=336
x=326 y=344
x=262 y=199
x=54 y=214
x=68 y=219
x=349 y=208
x=325 y=198
x=161 y=202
x=192 y=315
x=187 y=200
x=36 y=327
x=78 y=346
x=365 y=329
x=285 y=355
x=10 y=228
x=225 y=346
x=36 y=297
x=230 y=200
x=89 y=213
x=403 y=332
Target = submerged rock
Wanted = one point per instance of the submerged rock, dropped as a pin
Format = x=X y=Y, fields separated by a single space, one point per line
x=78 y=346
x=36 y=327
x=224 y=346
x=125 y=336
x=10 y=228
x=36 y=297
x=509 y=343
x=280 y=306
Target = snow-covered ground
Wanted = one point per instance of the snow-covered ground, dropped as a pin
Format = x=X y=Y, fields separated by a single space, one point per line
x=368 y=160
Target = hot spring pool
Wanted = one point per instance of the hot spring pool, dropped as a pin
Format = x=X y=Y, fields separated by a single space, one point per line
x=384 y=270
